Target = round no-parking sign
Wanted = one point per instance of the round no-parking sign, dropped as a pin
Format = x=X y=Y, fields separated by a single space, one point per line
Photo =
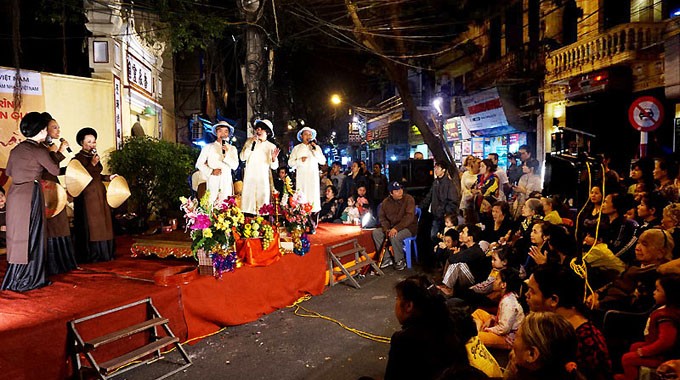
x=646 y=113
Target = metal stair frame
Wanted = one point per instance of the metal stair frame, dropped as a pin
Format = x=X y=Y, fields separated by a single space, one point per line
x=86 y=348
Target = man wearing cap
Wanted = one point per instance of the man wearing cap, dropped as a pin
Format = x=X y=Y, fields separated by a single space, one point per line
x=216 y=162
x=397 y=221
x=305 y=160
x=260 y=156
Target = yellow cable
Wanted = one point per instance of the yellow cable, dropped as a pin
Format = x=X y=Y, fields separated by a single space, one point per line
x=314 y=314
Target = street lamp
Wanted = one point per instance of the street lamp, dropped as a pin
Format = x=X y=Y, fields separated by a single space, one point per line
x=336 y=99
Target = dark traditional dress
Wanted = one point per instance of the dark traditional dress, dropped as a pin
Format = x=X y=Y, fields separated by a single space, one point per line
x=92 y=216
x=26 y=230
x=60 y=253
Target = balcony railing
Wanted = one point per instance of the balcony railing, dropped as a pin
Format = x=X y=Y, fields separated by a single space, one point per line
x=615 y=46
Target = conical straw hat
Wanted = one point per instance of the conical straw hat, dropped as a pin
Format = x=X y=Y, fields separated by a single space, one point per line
x=55 y=197
x=77 y=178
x=117 y=192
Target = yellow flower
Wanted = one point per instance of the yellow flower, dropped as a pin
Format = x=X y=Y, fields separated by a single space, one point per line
x=207 y=232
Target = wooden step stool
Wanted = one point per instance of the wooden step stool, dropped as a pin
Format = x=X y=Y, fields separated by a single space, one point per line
x=114 y=367
x=361 y=260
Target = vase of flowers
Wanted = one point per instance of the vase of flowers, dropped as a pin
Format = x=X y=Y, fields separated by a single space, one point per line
x=294 y=210
x=214 y=230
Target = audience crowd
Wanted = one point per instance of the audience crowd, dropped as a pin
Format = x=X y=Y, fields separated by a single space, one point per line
x=553 y=289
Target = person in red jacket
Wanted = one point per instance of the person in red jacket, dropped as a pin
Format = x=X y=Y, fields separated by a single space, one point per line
x=661 y=333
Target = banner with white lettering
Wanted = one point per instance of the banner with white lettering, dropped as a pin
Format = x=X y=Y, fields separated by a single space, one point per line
x=32 y=99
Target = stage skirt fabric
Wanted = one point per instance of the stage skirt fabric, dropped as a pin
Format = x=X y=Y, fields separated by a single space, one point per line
x=23 y=277
x=60 y=255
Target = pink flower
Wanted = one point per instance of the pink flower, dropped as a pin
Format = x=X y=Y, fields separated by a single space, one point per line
x=200 y=222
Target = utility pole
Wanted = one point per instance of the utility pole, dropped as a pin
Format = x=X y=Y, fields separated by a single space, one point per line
x=255 y=64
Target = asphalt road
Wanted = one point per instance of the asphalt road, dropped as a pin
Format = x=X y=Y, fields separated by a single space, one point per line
x=283 y=345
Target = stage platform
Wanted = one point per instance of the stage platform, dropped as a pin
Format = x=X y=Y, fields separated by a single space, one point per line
x=34 y=342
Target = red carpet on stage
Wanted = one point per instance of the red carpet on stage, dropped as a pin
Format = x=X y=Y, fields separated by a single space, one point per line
x=34 y=340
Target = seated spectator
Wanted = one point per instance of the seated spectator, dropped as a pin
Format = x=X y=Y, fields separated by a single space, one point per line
x=501 y=229
x=670 y=222
x=397 y=222
x=661 y=333
x=446 y=247
x=650 y=211
x=617 y=231
x=467 y=266
x=330 y=205
x=604 y=266
x=558 y=289
x=427 y=343
x=483 y=294
x=532 y=211
x=545 y=348
x=665 y=171
x=538 y=251
x=632 y=291
x=450 y=221
x=499 y=331
x=550 y=209
x=590 y=215
x=351 y=213
x=559 y=249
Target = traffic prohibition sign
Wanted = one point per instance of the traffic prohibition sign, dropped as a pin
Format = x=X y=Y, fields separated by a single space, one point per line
x=646 y=113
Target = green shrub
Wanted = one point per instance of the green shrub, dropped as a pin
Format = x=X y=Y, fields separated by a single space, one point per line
x=157 y=173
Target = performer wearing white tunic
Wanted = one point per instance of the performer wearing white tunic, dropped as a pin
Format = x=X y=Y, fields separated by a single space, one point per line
x=216 y=162
x=305 y=160
x=260 y=156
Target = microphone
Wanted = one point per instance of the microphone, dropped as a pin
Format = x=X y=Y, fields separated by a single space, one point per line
x=313 y=144
x=94 y=151
x=224 y=146
x=68 y=148
x=252 y=147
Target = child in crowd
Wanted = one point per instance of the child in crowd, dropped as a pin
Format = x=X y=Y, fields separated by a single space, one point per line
x=499 y=261
x=499 y=331
x=350 y=215
x=446 y=247
x=661 y=342
x=449 y=224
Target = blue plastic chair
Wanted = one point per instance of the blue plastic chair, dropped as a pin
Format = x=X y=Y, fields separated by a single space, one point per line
x=410 y=244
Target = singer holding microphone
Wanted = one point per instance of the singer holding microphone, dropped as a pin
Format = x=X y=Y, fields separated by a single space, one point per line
x=216 y=162
x=92 y=214
x=305 y=160
x=260 y=156
x=60 y=252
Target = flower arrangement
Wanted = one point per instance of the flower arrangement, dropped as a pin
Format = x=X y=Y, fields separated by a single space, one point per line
x=215 y=228
x=295 y=211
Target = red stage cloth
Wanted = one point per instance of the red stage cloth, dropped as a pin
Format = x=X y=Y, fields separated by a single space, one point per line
x=33 y=325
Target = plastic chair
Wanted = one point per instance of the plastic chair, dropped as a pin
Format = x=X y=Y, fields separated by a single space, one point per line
x=410 y=243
